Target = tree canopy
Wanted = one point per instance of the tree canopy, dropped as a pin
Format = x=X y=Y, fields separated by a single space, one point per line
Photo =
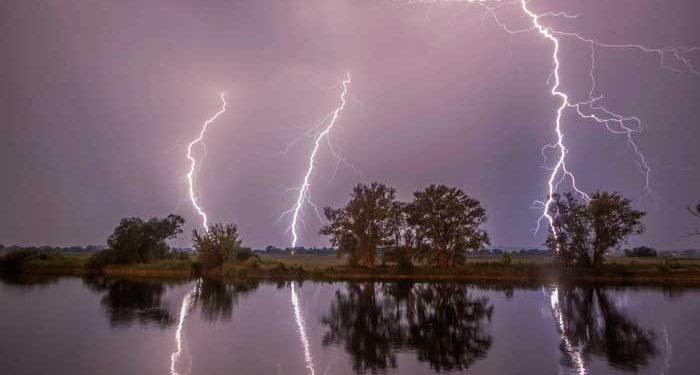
x=447 y=223
x=138 y=241
x=585 y=231
x=369 y=221
x=439 y=226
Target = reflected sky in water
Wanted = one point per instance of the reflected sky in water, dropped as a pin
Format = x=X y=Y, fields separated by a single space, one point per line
x=113 y=326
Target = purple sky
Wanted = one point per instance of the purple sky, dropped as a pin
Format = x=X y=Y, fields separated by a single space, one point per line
x=98 y=100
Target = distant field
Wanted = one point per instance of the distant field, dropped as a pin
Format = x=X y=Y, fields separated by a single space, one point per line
x=314 y=261
x=311 y=261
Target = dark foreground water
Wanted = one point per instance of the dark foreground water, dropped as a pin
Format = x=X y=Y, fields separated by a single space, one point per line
x=108 y=326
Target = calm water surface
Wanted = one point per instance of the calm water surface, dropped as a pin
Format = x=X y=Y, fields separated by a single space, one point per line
x=111 y=326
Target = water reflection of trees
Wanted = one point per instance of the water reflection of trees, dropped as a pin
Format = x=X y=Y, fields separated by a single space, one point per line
x=444 y=324
x=129 y=301
x=591 y=324
x=217 y=299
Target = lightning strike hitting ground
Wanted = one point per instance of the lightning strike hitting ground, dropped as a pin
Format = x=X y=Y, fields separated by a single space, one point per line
x=303 y=190
x=193 y=164
x=587 y=108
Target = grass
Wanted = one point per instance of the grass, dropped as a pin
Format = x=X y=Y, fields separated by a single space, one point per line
x=163 y=268
x=324 y=267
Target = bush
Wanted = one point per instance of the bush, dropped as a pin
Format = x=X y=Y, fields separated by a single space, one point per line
x=641 y=252
x=217 y=246
x=253 y=263
x=402 y=256
x=245 y=254
x=506 y=259
x=16 y=260
x=100 y=259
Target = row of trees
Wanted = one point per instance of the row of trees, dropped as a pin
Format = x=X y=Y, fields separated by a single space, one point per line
x=442 y=223
x=437 y=227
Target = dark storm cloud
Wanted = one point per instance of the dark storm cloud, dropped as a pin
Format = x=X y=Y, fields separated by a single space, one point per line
x=98 y=100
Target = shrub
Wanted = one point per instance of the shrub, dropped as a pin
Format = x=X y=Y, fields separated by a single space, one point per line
x=253 y=262
x=16 y=260
x=506 y=259
x=245 y=254
x=217 y=246
x=100 y=259
x=402 y=256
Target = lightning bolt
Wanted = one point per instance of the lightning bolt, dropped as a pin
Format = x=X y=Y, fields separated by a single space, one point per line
x=303 y=191
x=588 y=108
x=194 y=169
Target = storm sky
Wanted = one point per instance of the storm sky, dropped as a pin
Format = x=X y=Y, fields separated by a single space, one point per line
x=98 y=100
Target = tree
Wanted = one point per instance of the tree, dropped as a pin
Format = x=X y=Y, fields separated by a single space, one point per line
x=218 y=245
x=447 y=223
x=695 y=212
x=585 y=231
x=368 y=222
x=138 y=241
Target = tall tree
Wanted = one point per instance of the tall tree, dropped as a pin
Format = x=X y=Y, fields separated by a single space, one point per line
x=138 y=241
x=368 y=222
x=585 y=231
x=447 y=223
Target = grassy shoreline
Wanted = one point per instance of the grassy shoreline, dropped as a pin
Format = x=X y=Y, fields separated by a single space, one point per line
x=326 y=268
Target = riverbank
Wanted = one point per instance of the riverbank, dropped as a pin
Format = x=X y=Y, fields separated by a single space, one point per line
x=326 y=268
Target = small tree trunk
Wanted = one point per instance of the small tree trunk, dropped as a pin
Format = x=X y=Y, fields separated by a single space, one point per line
x=370 y=257
x=444 y=261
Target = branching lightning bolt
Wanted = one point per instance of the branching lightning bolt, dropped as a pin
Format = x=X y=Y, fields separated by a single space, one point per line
x=193 y=164
x=588 y=108
x=303 y=191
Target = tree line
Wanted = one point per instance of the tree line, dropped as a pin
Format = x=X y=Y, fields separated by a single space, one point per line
x=442 y=224
x=439 y=227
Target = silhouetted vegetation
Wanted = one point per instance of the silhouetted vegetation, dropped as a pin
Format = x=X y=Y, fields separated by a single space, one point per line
x=641 y=252
x=138 y=241
x=216 y=246
x=437 y=228
x=446 y=223
x=585 y=231
x=15 y=261
x=370 y=220
x=444 y=324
